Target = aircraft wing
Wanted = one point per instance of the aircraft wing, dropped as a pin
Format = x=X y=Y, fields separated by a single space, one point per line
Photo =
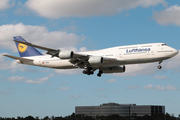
x=78 y=60
x=36 y=46
x=50 y=51
x=17 y=58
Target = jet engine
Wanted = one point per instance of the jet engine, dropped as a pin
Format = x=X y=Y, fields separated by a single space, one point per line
x=18 y=61
x=116 y=69
x=64 y=54
x=93 y=60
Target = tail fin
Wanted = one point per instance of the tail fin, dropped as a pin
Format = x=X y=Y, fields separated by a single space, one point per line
x=24 y=50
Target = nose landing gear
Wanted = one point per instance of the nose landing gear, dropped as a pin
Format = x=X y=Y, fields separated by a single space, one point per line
x=159 y=66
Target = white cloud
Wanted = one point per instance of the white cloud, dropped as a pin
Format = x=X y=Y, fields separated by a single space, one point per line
x=37 y=35
x=5 y=4
x=11 y=65
x=75 y=96
x=64 y=88
x=161 y=77
x=157 y=87
x=85 y=8
x=111 y=81
x=170 y=87
x=168 y=16
x=27 y=80
x=139 y=69
x=16 y=79
x=160 y=88
x=133 y=87
x=37 y=81
x=51 y=75
x=148 y=86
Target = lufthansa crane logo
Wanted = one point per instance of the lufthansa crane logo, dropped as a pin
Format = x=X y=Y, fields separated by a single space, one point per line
x=22 y=47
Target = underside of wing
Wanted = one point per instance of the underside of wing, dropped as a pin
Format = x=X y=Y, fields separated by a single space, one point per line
x=82 y=61
x=79 y=61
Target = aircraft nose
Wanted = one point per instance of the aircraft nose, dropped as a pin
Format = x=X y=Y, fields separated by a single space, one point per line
x=175 y=52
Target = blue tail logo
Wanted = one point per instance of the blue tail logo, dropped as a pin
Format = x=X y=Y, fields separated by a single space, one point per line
x=24 y=50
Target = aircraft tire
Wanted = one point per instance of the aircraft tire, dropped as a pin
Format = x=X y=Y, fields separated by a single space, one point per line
x=159 y=67
x=99 y=75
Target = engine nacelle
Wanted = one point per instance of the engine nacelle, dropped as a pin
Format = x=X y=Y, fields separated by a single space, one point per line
x=93 y=60
x=118 y=69
x=66 y=54
x=18 y=61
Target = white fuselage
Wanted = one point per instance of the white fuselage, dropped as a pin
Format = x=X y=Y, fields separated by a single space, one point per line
x=131 y=54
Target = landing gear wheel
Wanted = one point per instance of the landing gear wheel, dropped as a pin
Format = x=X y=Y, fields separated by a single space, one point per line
x=92 y=72
x=99 y=75
x=159 y=67
x=88 y=71
x=84 y=72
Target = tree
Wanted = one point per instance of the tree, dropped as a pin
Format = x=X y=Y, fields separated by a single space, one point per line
x=29 y=118
x=46 y=118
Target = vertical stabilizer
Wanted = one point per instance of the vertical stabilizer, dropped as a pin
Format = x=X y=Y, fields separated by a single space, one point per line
x=25 y=50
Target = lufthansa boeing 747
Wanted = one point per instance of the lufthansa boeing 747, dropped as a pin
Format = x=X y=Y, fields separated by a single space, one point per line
x=109 y=60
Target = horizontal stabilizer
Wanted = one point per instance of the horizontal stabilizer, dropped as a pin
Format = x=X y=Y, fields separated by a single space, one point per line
x=17 y=58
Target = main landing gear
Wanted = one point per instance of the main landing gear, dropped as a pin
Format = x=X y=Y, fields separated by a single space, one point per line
x=159 y=66
x=90 y=71
x=99 y=74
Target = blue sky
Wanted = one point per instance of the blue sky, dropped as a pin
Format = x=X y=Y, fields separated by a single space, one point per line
x=87 y=25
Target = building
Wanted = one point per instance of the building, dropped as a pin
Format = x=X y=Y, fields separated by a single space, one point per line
x=125 y=110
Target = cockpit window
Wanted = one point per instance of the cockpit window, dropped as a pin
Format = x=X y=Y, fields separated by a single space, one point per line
x=164 y=44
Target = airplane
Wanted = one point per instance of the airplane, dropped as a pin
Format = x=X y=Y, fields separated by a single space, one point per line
x=109 y=60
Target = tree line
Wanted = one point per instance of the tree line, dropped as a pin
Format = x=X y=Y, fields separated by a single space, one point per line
x=166 y=116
